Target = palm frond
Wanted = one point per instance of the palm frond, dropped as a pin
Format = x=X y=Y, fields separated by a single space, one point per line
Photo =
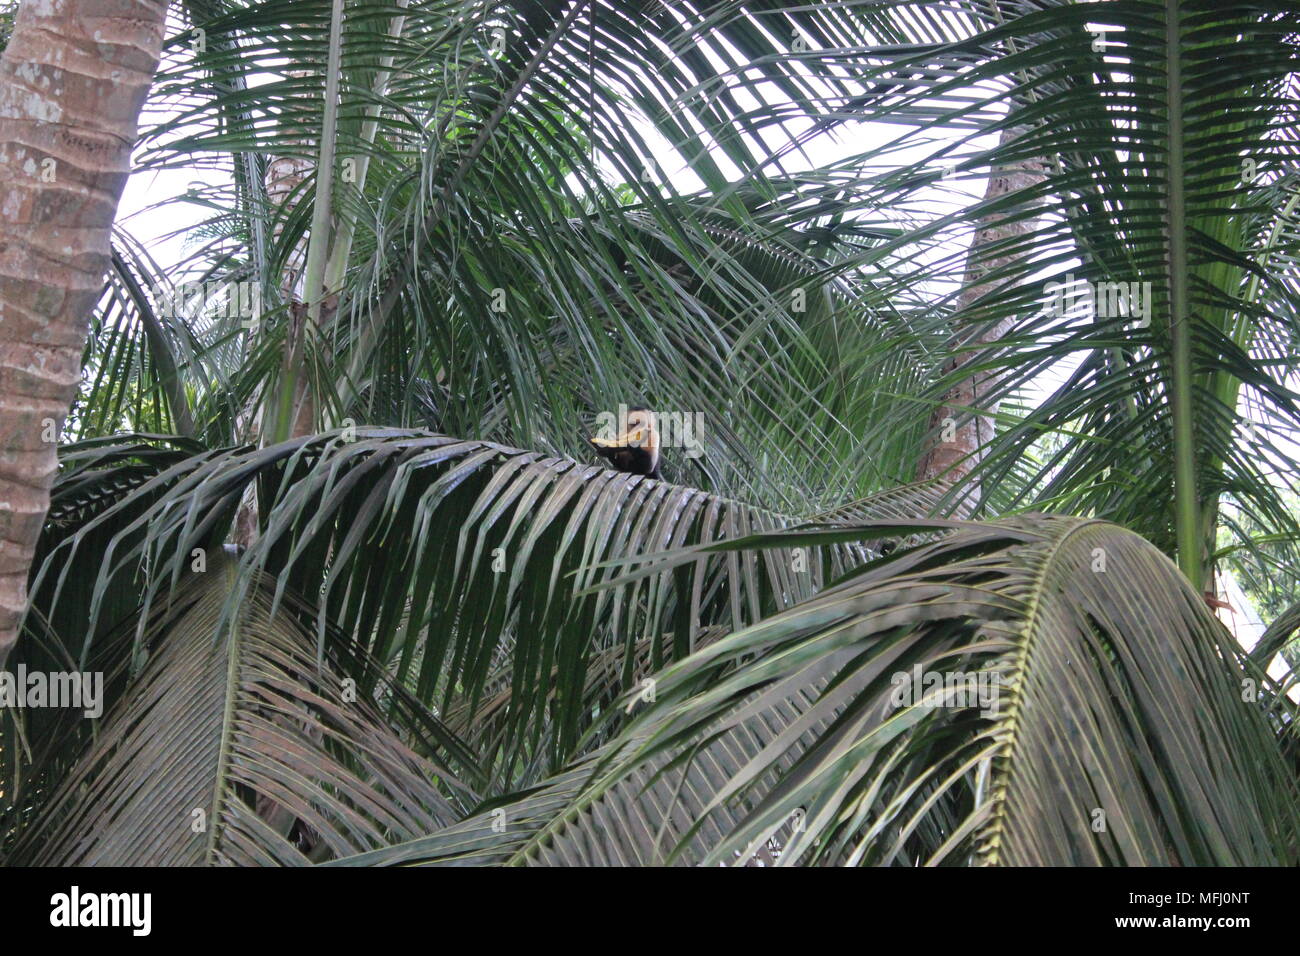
x=435 y=555
x=299 y=767
x=1116 y=731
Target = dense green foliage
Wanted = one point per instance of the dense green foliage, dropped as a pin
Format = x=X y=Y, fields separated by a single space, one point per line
x=453 y=637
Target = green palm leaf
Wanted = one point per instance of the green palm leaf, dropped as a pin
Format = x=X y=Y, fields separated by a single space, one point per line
x=436 y=555
x=1119 y=733
x=270 y=757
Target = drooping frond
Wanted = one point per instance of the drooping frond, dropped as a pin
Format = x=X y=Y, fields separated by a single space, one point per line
x=1031 y=691
x=443 y=559
x=270 y=756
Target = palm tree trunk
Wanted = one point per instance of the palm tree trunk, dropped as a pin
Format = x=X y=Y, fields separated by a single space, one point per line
x=72 y=80
x=963 y=421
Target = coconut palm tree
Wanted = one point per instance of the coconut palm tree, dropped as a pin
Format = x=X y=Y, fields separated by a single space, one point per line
x=444 y=633
x=67 y=122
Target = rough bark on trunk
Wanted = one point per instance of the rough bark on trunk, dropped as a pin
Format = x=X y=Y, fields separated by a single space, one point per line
x=72 y=81
x=965 y=432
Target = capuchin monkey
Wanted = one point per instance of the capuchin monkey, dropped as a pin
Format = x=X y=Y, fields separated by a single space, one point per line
x=636 y=451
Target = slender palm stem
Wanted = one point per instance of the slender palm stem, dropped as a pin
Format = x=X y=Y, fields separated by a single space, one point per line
x=1186 y=509
x=318 y=247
